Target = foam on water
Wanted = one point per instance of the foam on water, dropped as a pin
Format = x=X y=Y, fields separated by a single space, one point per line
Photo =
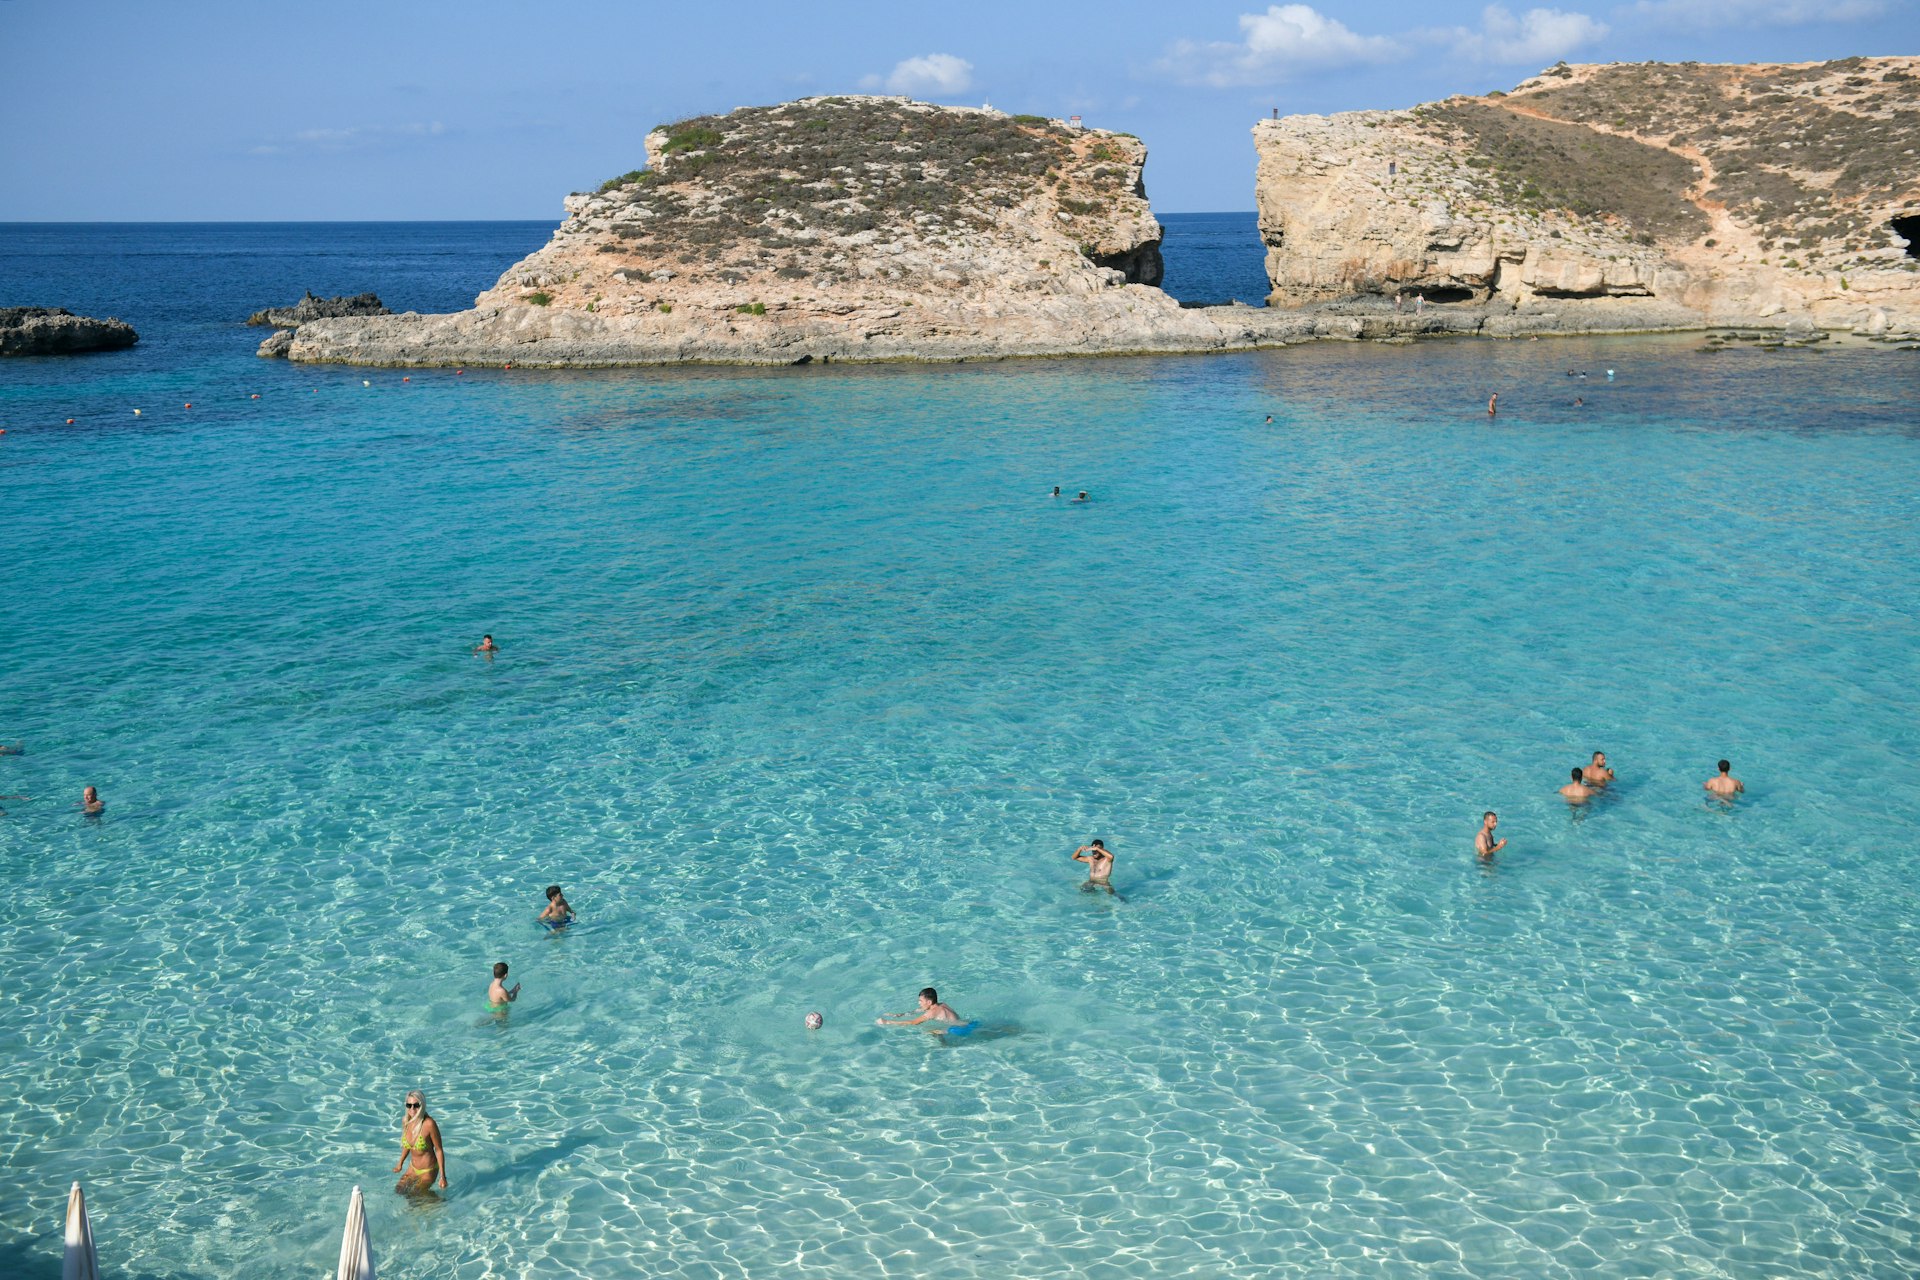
x=806 y=692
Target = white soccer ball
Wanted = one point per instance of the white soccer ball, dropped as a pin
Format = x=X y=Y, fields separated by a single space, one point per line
x=815 y=1022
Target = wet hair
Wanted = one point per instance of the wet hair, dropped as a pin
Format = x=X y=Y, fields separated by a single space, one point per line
x=553 y=891
x=1579 y=774
x=1488 y=814
x=1598 y=754
x=928 y=993
x=1724 y=766
x=487 y=636
x=500 y=970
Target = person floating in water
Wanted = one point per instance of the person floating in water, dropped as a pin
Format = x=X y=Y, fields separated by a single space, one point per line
x=1055 y=493
x=499 y=994
x=1577 y=791
x=948 y=1021
x=420 y=1142
x=1082 y=497
x=1484 y=844
x=91 y=804
x=1726 y=786
x=1099 y=866
x=559 y=912
x=1597 y=774
x=486 y=645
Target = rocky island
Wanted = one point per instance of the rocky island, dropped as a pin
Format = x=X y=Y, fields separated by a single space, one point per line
x=1589 y=199
x=831 y=228
x=1633 y=196
x=55 y=331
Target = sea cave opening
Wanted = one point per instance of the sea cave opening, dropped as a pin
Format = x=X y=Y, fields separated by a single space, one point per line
x=1439 y=293
x=1908 y=229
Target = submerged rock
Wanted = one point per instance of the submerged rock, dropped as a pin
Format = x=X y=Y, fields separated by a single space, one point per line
x=46 y=331
x=312 y=308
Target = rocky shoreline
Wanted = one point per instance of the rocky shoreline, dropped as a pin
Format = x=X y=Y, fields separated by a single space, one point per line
x=51 y=331
x=513 y=337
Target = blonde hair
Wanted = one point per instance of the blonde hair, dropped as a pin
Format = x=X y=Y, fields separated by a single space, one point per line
x=414 y=1095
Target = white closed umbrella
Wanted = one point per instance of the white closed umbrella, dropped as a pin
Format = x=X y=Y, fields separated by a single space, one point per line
x=356 y=1249
x=80 y=1263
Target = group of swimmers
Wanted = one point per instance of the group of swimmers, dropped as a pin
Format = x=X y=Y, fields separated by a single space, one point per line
x=1588 y=781
x=1057 y=494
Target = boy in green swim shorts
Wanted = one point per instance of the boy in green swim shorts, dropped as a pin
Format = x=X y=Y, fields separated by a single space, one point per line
x=500 y=995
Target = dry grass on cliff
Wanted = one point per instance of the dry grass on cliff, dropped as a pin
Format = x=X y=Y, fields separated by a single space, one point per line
x=1542 y=164
x=1810 y=157
x=785 y=190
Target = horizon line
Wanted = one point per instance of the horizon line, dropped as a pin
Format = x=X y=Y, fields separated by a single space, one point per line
x=348 y=222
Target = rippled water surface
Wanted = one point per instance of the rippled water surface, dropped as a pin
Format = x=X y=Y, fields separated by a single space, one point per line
x=806 y=692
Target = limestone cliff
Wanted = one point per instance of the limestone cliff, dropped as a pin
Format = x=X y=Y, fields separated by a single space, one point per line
x=1698 y=194
x=835 y=228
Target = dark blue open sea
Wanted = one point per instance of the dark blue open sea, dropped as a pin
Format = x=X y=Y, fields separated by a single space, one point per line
x=806 y=692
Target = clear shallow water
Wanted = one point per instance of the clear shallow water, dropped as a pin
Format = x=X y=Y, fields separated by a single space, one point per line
x=807 y=692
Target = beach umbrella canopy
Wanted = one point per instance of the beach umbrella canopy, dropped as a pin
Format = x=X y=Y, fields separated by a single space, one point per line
x=80 y=1263
x=356 y=1250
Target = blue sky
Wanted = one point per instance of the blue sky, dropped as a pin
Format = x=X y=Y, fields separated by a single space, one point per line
x=148 y=110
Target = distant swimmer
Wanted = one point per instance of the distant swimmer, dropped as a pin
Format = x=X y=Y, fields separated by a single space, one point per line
x=1269 y=419
x=1597 y=774
x=1577 y=791
x=1578 y=402
x=1493 y=404
x=558 y=913
x=420 y=1143
x=1484 y=844
x=1725 y=786
x=499 y=994
x=1055 y=493
x=91 y=804
x=486 y=645
x=948 y=1022
x=1099 y=866
x=1082 y=497
x=17 y=749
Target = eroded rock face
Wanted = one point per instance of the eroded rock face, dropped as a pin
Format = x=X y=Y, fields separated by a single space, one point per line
x=845 y=228
x=48 y=331
x=1741 y=195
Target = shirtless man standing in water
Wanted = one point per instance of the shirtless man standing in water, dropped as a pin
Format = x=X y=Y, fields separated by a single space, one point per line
x=1577 y=791
x=1484 y=844
x=1726 y=786
x=1099 y=866
x=1597 y=774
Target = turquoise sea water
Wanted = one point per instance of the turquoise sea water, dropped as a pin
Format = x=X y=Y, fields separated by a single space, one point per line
x=807 y=691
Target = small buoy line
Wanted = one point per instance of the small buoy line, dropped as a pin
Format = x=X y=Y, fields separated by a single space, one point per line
x=186 y=405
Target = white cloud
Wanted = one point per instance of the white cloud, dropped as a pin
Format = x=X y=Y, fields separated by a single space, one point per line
x=1286 y=38
x=357 y=138
x=1716 y=14
x=932 y=73
x=1536 y=37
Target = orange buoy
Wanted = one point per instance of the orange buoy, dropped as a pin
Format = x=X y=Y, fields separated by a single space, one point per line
x=69 y=421
x=256 y=395
x=189 y=404
x=458 y=372
x=406 y=379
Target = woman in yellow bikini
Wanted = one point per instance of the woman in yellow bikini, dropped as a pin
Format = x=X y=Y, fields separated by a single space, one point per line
x=420 y=1142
